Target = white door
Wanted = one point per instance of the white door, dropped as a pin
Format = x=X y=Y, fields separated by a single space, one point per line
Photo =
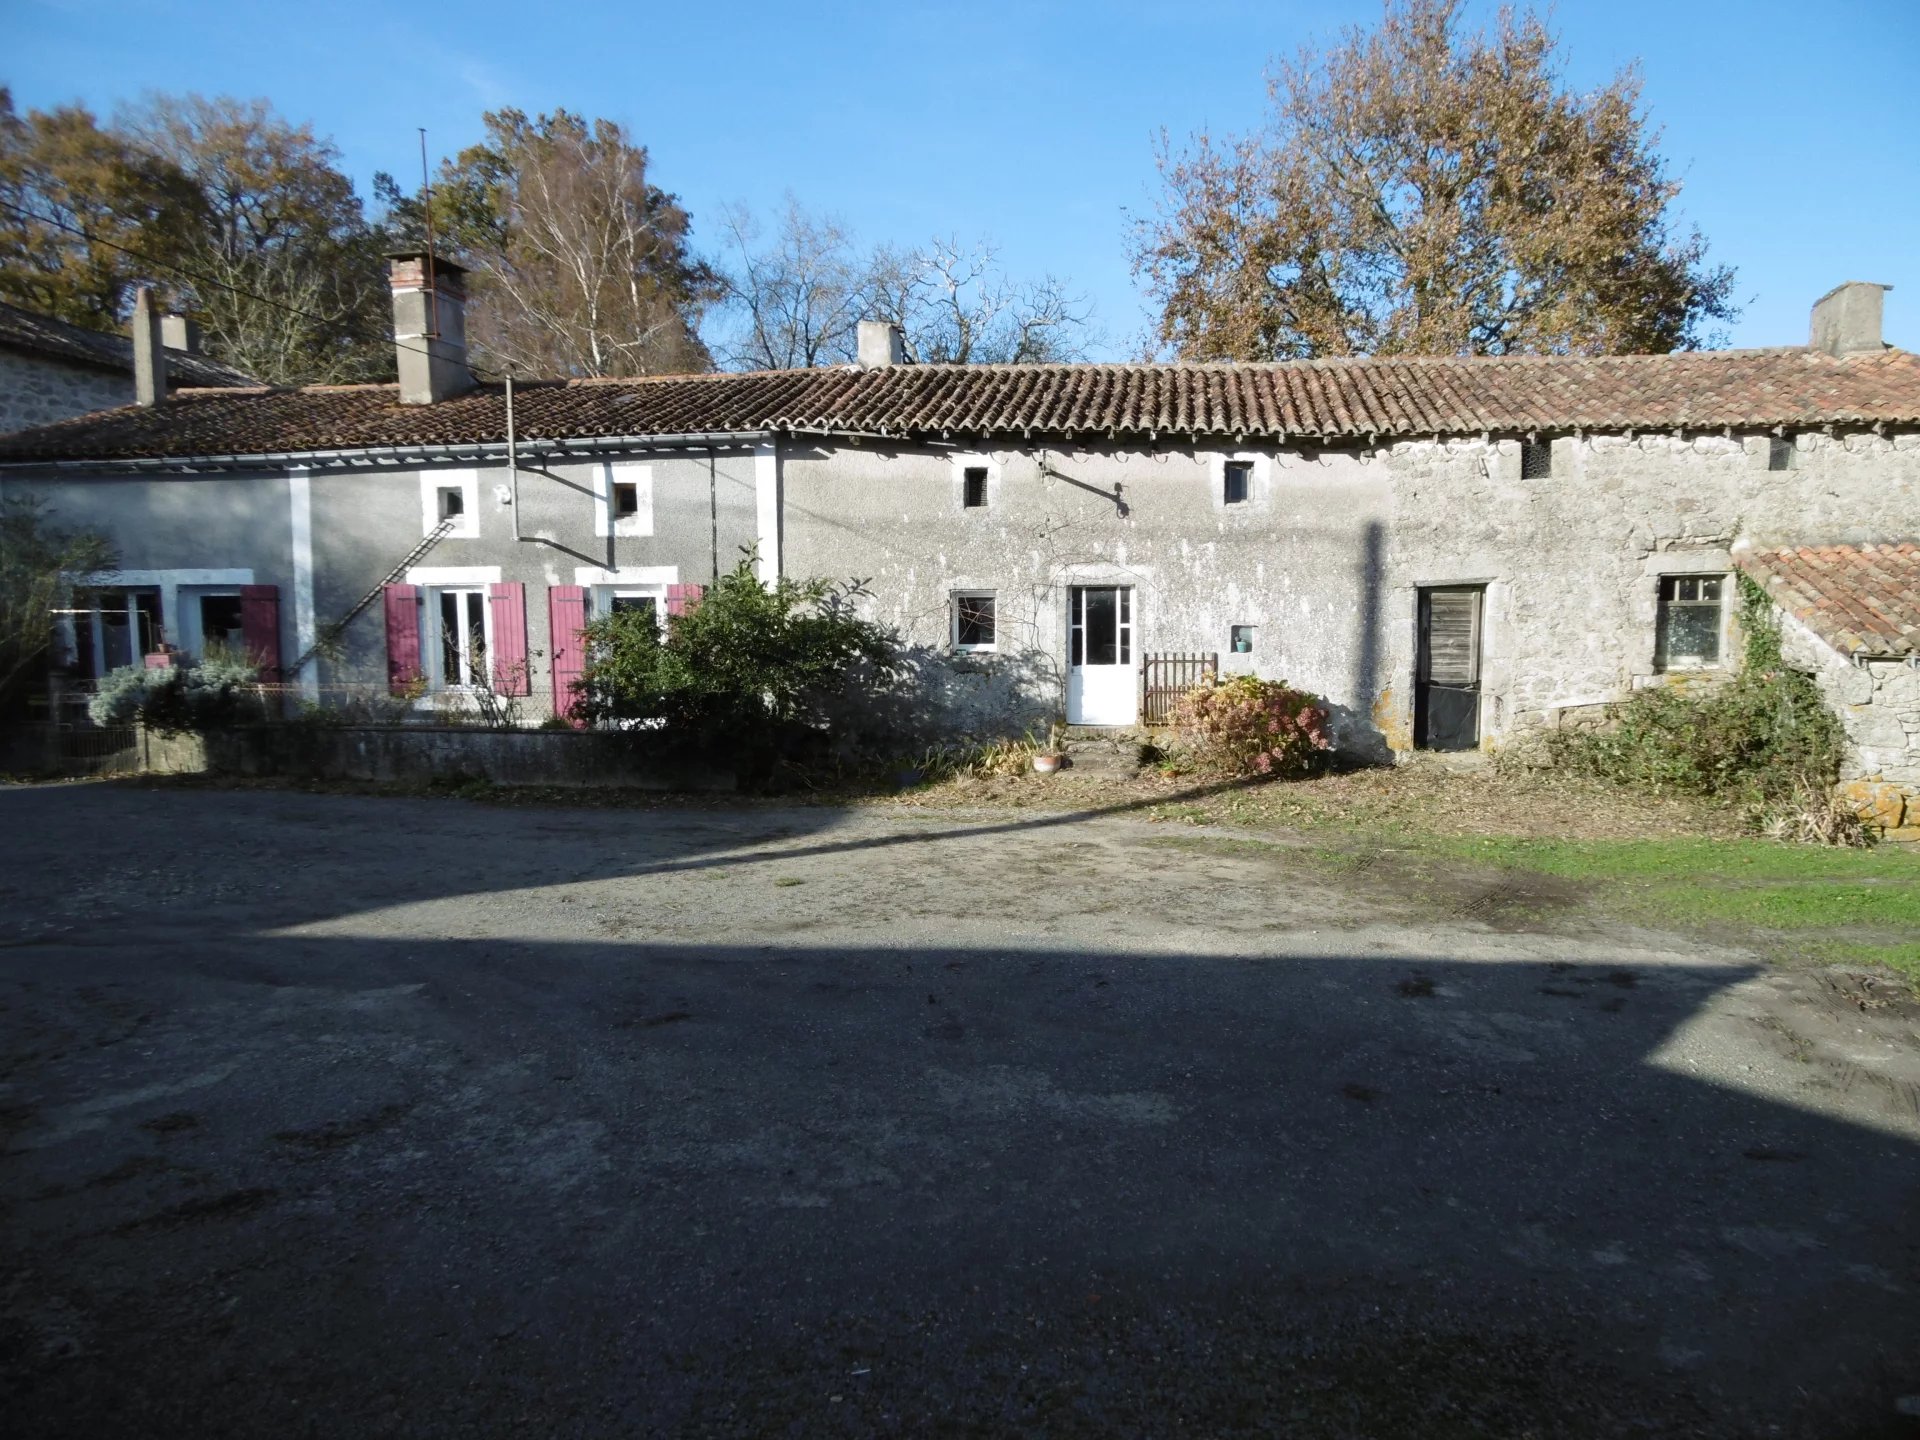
x=1103 y=684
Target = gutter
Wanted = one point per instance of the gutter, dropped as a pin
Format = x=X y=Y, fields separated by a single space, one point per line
x=402 y=455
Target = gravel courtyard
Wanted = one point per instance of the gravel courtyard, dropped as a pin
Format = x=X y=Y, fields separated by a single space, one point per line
x=328 y=1115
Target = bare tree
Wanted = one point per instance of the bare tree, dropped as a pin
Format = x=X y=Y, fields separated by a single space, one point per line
x=581 y=264
x=1423 y=189
x=794 y=300
x=959 y=307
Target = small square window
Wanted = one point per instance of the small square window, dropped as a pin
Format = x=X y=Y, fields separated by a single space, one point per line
x=626 y=499
x=973 y=621
x=1536 y=459
x=1241 y=639
x=1687 y=634
x=1239 y=482
x=453 y=503
x=1780 y=453
x=974 y=488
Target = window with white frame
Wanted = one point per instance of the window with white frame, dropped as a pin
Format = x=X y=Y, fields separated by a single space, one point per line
x=114 y=628
x=1692 y=621
x=973 y=620
x=212 y=621
x=631 y=599
x=622 y=499
x=450 y=498
x=460 y=637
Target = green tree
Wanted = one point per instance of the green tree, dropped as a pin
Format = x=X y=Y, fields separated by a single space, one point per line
x=580 y=264
x=1422 y=189
x=74 y=199
x=278 y=261
x=751 y=672
x=38 y=561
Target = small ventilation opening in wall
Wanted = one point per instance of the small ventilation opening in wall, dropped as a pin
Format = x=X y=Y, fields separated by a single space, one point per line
x=1240 y=638
x=1536 y=459
x=626 y=499
x=1780 y=453
x=453 y=504
x=974 y=487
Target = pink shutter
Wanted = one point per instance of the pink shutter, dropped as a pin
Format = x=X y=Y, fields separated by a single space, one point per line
x=511 y=673
x=260 y=628
x=403 y=637
x=682 y=598
x=566 y=618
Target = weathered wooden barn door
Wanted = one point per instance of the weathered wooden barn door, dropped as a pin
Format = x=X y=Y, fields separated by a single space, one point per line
x=1446 y=696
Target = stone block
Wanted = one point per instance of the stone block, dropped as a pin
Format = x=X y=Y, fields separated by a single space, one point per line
x=1882 y=805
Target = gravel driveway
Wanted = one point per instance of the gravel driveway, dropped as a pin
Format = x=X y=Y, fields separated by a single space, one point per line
x=341 y=1116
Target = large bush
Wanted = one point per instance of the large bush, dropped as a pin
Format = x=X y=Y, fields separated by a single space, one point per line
x=221 y=690
x=749 y=674
x=1249 y=726
x=1764 y=741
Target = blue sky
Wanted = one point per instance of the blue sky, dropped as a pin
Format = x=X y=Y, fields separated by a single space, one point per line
x=1795 y=125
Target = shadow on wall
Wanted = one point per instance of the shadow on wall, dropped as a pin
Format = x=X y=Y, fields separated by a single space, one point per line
x=938 y=697
x=704 y=1184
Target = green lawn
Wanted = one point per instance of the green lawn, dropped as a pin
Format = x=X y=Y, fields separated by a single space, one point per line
x=1790 y=901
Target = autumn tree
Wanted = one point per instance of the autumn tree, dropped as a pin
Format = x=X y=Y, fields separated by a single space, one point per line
x=580 y=264
x=278 y=262
x=1423 y=189
x=79 y=205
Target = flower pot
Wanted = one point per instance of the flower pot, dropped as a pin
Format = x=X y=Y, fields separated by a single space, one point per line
x=1046 y=764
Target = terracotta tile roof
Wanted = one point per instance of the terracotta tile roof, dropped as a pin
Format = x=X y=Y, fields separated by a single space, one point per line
x=1860 y=599
x=39 y=334
x=1309 y=399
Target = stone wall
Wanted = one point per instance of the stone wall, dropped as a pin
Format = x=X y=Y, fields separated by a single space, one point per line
x=415 y=754
x=37 y=391
x=1879 y=704
x=1327 y=557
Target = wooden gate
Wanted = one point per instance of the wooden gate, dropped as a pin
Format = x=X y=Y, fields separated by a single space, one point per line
x=1165 y=677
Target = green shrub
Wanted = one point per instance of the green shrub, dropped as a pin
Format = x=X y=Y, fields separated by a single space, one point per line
x=1248 y=726
x=1764 y=741
x=221 y=690
x=750 y=674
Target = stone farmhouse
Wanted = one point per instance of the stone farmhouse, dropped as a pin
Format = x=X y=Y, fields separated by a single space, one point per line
x=50 y=370
x=1453 y=550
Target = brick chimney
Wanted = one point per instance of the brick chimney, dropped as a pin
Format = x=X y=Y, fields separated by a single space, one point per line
x=1846 y=320
x=149 y=355
x=882 y=343
x=429 y=327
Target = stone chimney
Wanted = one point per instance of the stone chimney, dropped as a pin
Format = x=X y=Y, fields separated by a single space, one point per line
x=149 y=355
x=882 y=343
x=1846 y=320
x=177 y=332
x=429 y=327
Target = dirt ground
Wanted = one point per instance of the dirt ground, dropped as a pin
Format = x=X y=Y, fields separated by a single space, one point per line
x=338 y=1115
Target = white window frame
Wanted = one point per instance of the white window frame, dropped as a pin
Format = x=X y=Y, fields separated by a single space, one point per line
x=962 y=462
x=605 y=595
x=192 y=638
x=1688 y=665
x=466 y=525
x=1258 y=480
x=953 y=623
x=621 y=472
x=432 y=638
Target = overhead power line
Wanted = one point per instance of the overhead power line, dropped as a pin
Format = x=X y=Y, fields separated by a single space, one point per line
x=189 y=273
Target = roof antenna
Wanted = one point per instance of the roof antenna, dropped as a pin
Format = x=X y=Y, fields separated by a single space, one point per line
x=426 y=210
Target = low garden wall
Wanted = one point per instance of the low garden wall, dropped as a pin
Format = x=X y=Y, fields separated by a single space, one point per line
x=416 y=753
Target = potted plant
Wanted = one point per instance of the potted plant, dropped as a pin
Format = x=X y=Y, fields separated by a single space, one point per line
x=1050 y=756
